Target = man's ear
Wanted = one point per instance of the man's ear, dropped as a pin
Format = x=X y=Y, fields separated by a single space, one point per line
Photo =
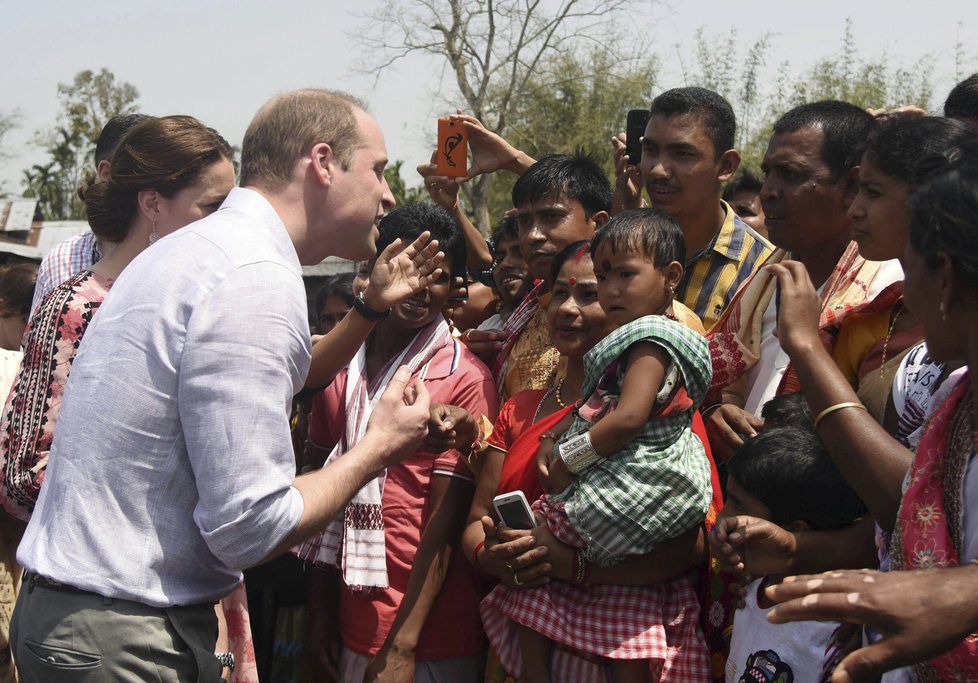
x=728 y=165
x=148 y=202
x=322 y=163
x=599 y=218
x=850 y=186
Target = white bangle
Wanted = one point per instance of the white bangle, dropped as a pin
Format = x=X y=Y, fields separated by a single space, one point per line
x=578 y=454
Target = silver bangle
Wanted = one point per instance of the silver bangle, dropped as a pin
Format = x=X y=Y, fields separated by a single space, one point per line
x=578 y=454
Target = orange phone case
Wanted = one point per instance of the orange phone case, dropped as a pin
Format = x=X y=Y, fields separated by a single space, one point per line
x=453 y=143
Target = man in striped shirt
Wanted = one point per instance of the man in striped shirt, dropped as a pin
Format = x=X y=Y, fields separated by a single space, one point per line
x=687 y=156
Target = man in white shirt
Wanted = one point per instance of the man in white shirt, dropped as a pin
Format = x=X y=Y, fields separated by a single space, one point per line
x=172 y=467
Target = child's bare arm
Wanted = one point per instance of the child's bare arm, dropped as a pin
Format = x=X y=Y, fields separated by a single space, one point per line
x=644 y=371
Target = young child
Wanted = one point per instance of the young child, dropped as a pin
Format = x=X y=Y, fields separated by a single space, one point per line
x=630 y=474
x=784 y=475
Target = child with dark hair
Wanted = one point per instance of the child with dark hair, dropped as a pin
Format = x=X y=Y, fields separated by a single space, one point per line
x=785 y=475
x=788 y=410
x=628 y=474
x=333 y=300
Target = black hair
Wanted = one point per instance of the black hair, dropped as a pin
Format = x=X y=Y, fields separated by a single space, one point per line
x=962 y=101
x=788 y=410
x=113 y=132
x=340 y=285
x=745 y=181
x=410 y=220
x=17 y=283
x=901 y=143
x=718 y=116
x=790 y=472
x=651 y=232
x=575 y=176
x=508 y=229
x=945 y=211
x=845 y=129
x=564 y=255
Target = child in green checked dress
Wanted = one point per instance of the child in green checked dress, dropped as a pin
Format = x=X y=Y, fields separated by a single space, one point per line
x=627 y=475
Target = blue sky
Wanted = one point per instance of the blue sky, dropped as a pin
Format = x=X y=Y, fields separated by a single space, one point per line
x=220 y=60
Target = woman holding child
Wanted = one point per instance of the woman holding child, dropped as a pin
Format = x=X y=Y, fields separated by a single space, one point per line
x=579 y=323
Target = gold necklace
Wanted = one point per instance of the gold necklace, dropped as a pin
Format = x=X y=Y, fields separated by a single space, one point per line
x=557 y=386
x=889 y=333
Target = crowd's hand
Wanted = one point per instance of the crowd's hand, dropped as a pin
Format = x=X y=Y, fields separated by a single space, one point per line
x=799 y=308
x=553 y=473
x=490 y=152
x=391 y=665
x=512 y=555
x=484 y=343
x=450 y=427
x=905 y=110
x=560 y=556
x=400 y=422
x=752 y=546
x=628 y=178
x=443 y=190
x=920 y=613
x=727 y=426
x=401 y=270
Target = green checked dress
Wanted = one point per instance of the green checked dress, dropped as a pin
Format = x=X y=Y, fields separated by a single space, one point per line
x=659 y=486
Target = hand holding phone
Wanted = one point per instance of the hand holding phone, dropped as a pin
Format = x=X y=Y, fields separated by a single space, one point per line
x=453 y=146
x=514 y=511
x=635 y=125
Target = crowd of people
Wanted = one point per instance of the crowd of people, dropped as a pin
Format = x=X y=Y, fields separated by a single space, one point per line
x=701 y=385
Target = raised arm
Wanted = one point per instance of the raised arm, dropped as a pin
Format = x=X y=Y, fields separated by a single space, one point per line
x=873 y=462
x=398 y=272
x=444 y=192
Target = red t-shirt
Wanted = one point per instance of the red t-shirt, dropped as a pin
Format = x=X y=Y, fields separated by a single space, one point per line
x=453 y=628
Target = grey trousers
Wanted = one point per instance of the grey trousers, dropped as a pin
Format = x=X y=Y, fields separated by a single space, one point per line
x=58 y=636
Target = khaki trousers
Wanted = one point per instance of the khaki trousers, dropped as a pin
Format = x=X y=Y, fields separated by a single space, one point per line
x=60 y=636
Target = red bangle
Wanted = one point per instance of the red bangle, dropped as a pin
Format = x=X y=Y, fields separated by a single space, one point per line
x=475 y=553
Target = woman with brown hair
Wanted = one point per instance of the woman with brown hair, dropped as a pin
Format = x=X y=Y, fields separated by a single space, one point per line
x=166 y=173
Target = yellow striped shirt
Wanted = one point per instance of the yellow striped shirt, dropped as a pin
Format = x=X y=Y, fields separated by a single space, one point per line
x=713 y=275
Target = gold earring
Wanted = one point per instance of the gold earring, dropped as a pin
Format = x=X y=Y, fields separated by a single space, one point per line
x=153 y=235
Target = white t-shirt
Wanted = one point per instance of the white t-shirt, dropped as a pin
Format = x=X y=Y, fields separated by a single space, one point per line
x=804 y=649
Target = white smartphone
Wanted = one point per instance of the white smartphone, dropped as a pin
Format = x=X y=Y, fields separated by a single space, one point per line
x=514 y=511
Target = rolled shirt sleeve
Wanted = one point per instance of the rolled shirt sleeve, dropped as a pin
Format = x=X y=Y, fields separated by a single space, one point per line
x=234 y=403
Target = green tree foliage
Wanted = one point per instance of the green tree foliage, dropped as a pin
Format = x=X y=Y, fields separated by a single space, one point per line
x=402 y=193
x=579 y=99
x=86 y=105
x=720 y=63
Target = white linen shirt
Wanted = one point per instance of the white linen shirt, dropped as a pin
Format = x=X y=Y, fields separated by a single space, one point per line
x=172 y=466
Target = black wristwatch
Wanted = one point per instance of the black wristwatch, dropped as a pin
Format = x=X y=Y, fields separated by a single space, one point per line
x=364 y=309
x=226 y=659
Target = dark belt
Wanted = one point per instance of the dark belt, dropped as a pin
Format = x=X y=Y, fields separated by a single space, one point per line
x=32 y=580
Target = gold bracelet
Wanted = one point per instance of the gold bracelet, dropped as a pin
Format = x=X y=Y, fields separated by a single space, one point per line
x=838 y=406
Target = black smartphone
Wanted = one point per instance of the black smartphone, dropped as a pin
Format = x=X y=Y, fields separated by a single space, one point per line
x=634 y=130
